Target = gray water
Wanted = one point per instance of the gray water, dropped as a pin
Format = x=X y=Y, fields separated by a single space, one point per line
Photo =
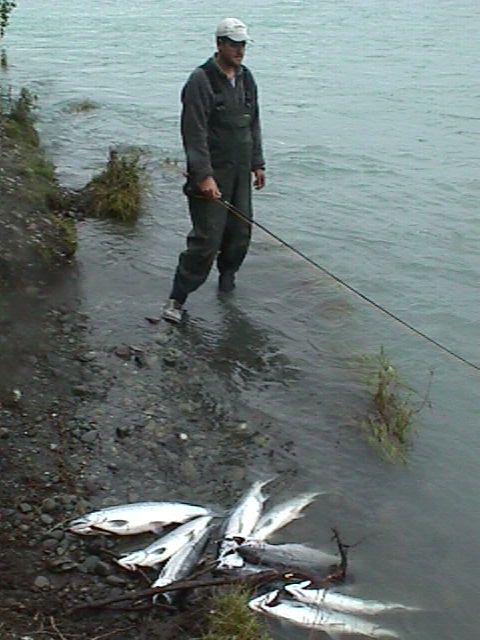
x=372 y=129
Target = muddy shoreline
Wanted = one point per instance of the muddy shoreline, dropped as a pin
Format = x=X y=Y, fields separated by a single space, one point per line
x=83 y=427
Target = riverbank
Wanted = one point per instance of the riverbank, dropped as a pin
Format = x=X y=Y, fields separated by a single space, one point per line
x=84 y=427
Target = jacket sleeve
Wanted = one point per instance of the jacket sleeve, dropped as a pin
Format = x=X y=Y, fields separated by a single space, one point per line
x=197 y=102
x=258 y=161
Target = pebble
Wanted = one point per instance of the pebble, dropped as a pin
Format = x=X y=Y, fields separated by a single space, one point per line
x=115 y=581
x=4 y=433
x=41 y=582
x=89 y=437
x=56 y=535
x=49 y=505
x=24 y=507
x=102 y=568
x=46 y=519
x=124 y=431
x=171 y=357
x=49 y=544
x=123 y=351
x=90 y=356
x=80 y=390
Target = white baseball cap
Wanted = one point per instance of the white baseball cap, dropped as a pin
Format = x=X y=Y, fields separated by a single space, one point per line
x=232 y=28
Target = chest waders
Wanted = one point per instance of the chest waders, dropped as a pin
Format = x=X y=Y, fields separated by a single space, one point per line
x=216 y=233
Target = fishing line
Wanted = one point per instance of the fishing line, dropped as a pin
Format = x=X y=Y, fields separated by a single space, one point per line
x=232 y=209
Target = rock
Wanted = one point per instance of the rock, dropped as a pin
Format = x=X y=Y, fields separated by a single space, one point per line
x=124 y=431
x=46 y=519
x=4 y=433
x=123 y=351
x=56 y=535
x=189 y=471
x=171 y=357
x=49 y=544
x=24 y=507
x=89 y=356
x=49 y=505
x=115 y=581
x=102 y=568
x=89 y=437
x=41 y=582
x=90 y=564
x=80 y=390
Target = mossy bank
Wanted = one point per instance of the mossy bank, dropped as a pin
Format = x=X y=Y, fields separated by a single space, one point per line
x=36 y=234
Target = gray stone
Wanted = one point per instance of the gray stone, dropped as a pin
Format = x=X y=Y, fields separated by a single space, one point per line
x=41 y=582
x=171 y=357
x=49 y=505
x=89 y=437
x=4 y=433
x=49 y=544
x=80 y=390
x=24 y=507
x=115 y=581
x=102 y=568
x=123 y=351
x=124 y=431
x=56 y=535
x=46 y=519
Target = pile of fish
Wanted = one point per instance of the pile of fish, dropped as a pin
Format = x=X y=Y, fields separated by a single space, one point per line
x=325 y=610
x=243 y=547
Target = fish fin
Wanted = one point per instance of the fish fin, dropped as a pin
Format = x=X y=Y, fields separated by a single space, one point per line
x=117 y=523
x=96 y=529
x=157 y=527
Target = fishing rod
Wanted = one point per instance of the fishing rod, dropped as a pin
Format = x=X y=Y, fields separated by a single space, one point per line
x=234 y=210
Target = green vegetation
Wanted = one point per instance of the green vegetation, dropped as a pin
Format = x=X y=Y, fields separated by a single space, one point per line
x=117 y=191
x=6 y=8
x=32 y=186
x=82 y=106
x=390 y=424
x=231 y=619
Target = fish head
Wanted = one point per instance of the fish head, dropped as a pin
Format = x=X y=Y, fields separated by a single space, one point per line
x=265 y=600
x=88 y=525
x=230 y=560
x=131 y=561
x=296 y=587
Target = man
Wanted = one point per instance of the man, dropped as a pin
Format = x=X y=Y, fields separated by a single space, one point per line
x=221 y=135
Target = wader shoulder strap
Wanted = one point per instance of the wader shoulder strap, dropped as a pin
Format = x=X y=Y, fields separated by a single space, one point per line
x=214 y=79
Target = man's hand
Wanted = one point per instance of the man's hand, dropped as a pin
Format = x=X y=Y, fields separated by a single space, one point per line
x=260 y=179
x=209 y=189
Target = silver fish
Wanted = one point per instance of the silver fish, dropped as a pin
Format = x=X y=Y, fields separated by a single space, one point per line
x=281 y=515
x=241 y=523
x=340 y=602
x=129 y=519
x=286 y=556
x=166 y=546
x=183 y=561
x=316 y=618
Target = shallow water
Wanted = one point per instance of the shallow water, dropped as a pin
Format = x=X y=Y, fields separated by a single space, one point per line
x=371 y=131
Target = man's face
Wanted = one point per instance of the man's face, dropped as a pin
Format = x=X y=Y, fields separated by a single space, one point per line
x=231 y=52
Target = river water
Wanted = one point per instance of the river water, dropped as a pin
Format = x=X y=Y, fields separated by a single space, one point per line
x=372 y=129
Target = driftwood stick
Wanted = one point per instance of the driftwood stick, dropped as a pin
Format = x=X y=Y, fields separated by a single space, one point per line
x=260 y=578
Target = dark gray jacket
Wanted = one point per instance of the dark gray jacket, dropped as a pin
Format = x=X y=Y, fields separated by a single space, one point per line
x=198 y=102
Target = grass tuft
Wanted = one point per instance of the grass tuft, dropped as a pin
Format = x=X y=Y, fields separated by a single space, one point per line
x=390 y=424
x=117 y=191
x=231 y=619
x=82 y=106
